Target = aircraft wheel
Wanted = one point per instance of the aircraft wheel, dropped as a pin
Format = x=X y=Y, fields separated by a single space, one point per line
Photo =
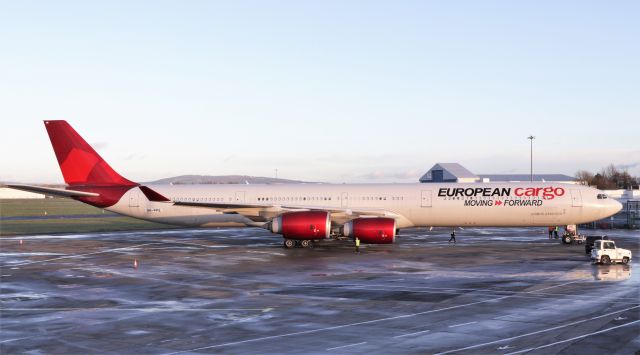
x=289 y=243
x=305 y=243
x=605 y=260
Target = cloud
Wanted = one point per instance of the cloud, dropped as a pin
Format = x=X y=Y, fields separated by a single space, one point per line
x=628 y=166
x=100 y=145
x=135 y=156
x=404 y=174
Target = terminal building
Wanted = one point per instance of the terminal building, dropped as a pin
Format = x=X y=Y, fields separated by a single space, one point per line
x=454 y=172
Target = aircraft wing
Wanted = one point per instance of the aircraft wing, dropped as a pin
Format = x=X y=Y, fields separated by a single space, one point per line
x=217 y=206
x=339 y=214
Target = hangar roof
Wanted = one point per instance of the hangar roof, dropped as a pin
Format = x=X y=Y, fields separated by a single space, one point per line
x=451 y=171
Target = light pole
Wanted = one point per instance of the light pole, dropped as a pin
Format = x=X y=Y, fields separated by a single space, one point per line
x=531 y=138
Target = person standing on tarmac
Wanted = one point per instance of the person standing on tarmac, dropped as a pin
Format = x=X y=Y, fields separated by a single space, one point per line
x=357 y=246
x=555 y=232
x=453 y=237
x=551 y=232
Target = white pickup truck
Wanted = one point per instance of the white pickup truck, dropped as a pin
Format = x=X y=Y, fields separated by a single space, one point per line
x=605 y=252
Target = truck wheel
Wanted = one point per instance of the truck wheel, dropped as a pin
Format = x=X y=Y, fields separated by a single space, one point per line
x=566 y=239
x=625 y=260
x=605 y=260
x=289 y=243
x=305 y=243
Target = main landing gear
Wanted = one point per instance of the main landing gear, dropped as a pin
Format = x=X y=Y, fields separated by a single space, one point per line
x=292 y=243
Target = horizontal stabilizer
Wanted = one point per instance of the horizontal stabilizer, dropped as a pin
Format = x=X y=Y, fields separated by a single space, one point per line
x=152 y=195
x=53 y=191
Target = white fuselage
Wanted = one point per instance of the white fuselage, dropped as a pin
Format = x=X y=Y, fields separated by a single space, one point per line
x=414 y=205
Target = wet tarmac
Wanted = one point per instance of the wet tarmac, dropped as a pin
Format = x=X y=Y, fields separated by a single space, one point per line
x=237 y=291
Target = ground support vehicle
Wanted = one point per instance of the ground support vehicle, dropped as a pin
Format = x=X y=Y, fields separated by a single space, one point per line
x=605 y=252
x=569 y=238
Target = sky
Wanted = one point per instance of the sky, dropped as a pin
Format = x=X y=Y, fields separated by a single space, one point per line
x=333 y=91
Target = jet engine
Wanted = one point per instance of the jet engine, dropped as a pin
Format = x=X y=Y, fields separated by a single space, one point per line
x=371 y=230
x=303 y=225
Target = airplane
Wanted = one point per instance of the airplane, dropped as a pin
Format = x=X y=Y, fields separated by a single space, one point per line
x=303 y=213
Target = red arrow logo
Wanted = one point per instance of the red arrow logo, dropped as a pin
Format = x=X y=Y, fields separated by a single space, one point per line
x=498 y=203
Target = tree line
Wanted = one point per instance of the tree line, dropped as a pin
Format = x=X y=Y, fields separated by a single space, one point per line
x=609 y=178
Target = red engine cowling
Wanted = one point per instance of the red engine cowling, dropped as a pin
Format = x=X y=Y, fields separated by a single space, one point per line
x=371 y=230
x=302 y=225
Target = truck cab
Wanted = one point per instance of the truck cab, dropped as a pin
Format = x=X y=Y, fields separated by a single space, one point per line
x=606 y=252
x=590 y=240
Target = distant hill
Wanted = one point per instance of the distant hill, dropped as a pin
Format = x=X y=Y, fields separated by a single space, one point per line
x=224 y=179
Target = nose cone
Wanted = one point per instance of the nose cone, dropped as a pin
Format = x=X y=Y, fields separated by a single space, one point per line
x=611 y=207
x=615 y=207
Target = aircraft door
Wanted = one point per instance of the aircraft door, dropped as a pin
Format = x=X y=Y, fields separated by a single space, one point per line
x=239 y=197
x=134 y=197
x=344 y=199
x=425 y=200
x=576 y=198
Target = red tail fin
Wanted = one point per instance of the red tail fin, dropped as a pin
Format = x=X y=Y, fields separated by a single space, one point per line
x=80 y=164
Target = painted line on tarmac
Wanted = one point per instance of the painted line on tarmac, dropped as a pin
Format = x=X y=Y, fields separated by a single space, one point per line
x=576 y=338
x=335 y=327
x=10 y=340
x=435 y=288
x=461 y=324
x=77 y=255
x=538 y=332
x=587 y=298
x=195 y=244
x=157 y=309
x=410 y=334
x=488 y=291
x=346 y=346
x=546 y=288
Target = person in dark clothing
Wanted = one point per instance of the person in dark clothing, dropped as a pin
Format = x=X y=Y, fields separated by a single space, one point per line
x=453 y=237
x=551 y=232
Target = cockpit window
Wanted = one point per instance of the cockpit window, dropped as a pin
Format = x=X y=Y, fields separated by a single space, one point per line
x=602 y=197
